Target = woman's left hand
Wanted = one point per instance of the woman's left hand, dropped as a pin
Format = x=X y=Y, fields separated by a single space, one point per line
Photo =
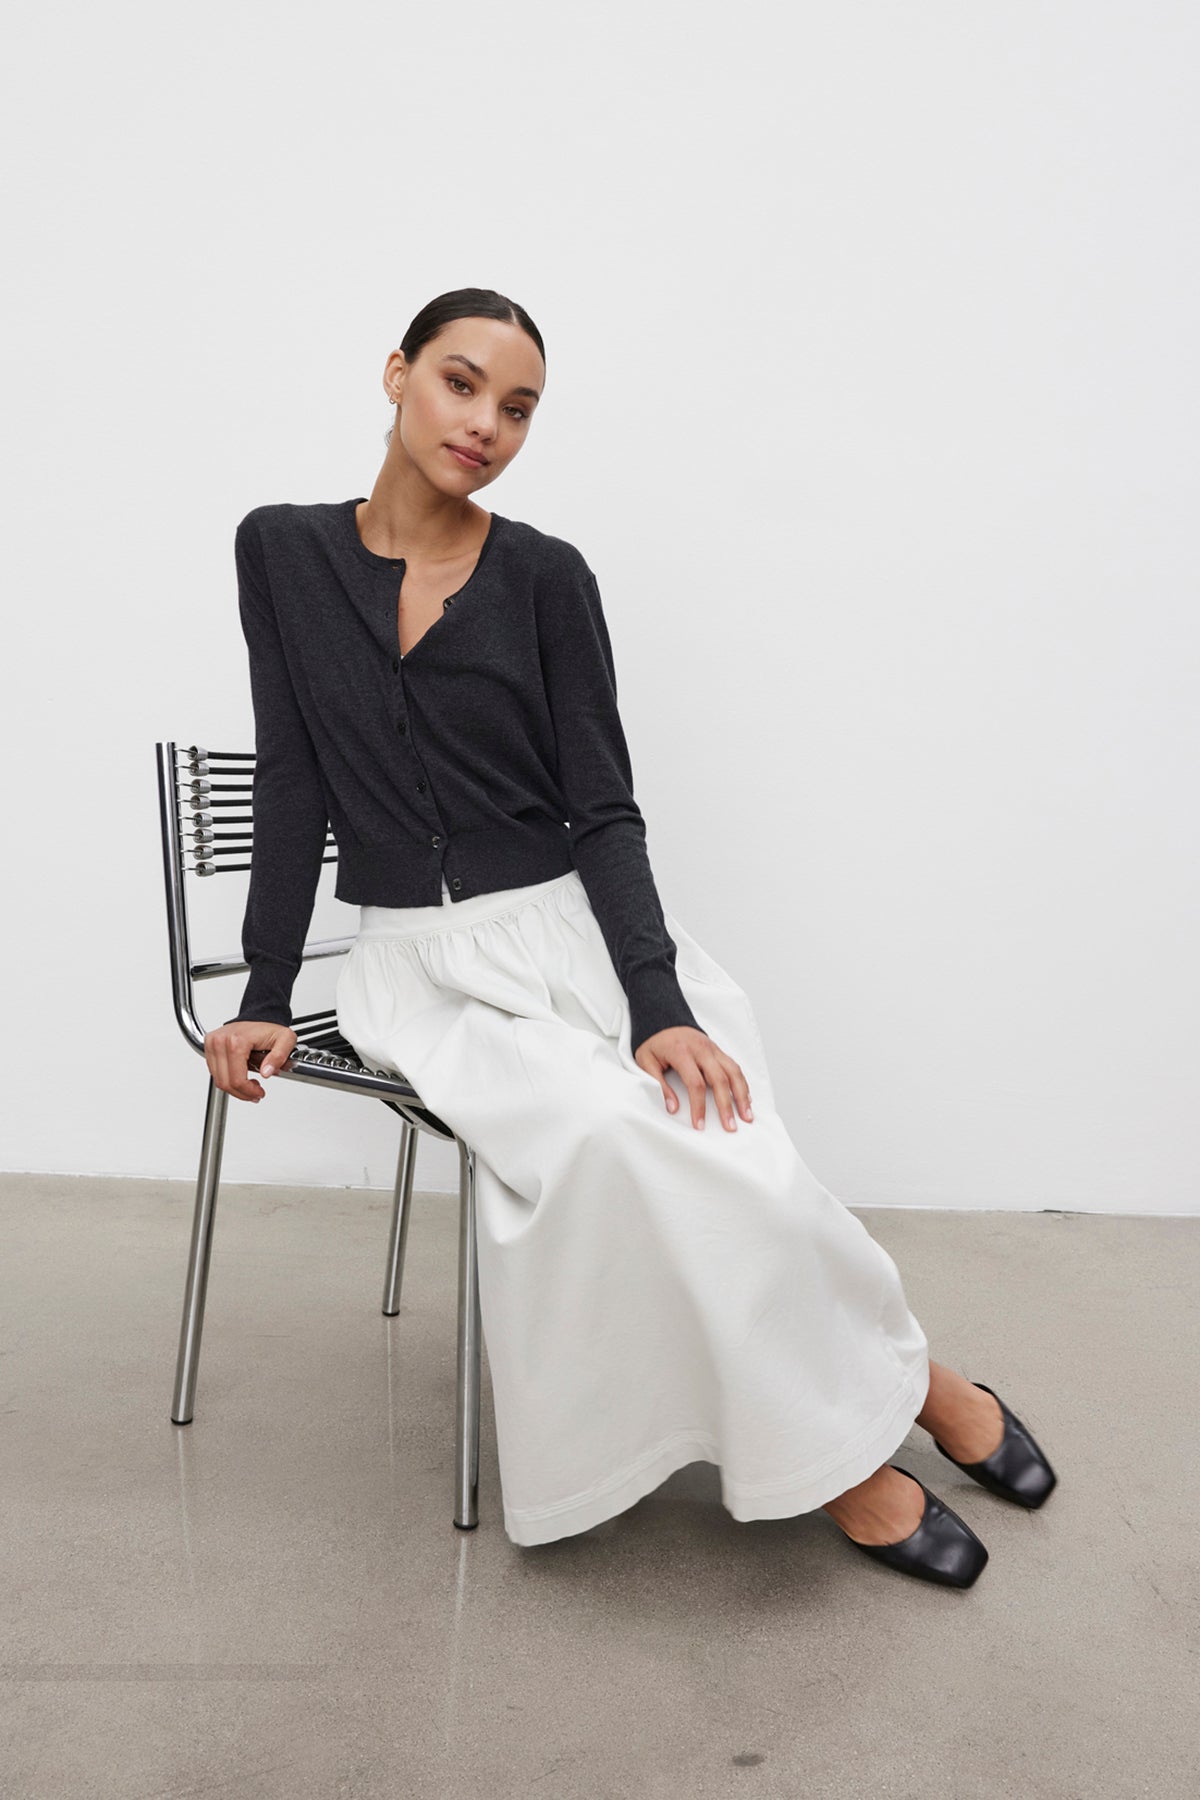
x=701 y=1065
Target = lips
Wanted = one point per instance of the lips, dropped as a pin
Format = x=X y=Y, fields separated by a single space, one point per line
x=476 y=461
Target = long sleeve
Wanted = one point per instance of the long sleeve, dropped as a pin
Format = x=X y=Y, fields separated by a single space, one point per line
x=290 y=813
x=607 y=830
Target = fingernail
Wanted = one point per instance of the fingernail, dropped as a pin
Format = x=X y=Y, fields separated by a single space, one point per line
x=268 y=1069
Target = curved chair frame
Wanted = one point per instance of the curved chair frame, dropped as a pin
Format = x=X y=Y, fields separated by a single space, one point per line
x=206 y=813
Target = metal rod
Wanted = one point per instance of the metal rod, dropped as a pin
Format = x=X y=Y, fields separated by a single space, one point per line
x=466 y=1471
x=196 y=1285
x=406 y=1163
x=234 y=965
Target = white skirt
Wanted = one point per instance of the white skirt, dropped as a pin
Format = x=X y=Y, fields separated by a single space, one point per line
x=650 y=1295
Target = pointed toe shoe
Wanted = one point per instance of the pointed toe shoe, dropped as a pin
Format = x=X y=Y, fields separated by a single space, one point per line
x=943 y=1548
x=1016 y=1469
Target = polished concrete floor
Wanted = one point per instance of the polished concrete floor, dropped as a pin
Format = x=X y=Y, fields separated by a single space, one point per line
x=273 y=1601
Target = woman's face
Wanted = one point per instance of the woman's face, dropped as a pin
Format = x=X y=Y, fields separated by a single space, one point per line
x=473 y=388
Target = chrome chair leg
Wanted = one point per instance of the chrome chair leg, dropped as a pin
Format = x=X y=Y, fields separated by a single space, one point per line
x=405 y=1164
x=466 y=1461
x=207 y=1182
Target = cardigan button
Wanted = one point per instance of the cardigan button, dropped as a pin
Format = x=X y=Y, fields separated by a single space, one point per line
x=395 y=665
x=421 y=786
x=435 y=841
x=456 y=884
x=402 y=726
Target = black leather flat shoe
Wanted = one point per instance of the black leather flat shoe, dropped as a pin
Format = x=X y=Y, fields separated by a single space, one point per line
x=943 y=1547
x=1016 y=1469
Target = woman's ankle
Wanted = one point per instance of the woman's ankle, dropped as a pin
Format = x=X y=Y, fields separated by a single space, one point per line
x=884 y=1508
x=950 y=1398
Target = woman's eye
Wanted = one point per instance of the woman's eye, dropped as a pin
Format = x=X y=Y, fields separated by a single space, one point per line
x=457 y=382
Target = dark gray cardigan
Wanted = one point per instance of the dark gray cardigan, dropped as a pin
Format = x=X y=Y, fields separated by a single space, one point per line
x=492 y=753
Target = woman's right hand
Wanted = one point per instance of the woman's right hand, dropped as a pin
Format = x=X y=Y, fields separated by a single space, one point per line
x=233 y=1048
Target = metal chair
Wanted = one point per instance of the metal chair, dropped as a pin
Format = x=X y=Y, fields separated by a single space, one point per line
x=206 y=811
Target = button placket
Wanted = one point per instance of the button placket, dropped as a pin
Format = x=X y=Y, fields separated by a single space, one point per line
x=437 y=839
x=394 y=603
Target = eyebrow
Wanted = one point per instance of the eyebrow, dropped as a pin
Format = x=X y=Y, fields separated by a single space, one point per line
x=475 y=369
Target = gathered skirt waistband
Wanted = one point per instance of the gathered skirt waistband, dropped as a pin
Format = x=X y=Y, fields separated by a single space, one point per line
x=420 y=921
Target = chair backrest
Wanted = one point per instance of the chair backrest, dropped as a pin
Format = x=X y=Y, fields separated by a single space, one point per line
x=206 y=810
x=215 y=789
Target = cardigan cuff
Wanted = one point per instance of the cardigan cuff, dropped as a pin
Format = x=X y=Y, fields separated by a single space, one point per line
x=264 y=1015
x=656 y=1003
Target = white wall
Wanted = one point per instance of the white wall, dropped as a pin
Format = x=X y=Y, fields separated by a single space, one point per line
x=871 y=398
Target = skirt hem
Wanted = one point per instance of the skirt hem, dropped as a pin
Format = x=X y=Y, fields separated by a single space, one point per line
x=744 y=1501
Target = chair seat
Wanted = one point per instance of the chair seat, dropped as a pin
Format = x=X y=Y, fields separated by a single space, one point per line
x=323 y=1054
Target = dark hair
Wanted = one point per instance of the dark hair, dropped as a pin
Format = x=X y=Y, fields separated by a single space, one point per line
x=464 y=303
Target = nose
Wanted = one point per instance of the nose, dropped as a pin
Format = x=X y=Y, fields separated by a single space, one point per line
x=483 y=422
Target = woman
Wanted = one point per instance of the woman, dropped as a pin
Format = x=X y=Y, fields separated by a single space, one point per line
x=437 y=683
